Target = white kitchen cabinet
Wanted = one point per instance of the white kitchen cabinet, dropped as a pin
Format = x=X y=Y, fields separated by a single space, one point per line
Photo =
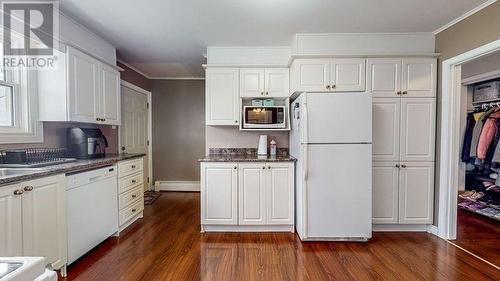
x=385 y=192
x=416 y=192
x=219 y=189
x=325 y=75
x=386 y=126
x=252 y=193
x=110 y=107
x=383 y=77
x=222 y=98
x=418 y=117
x=419 y=77
x=280 y=193
x=80 y=89
x=239 y=195
x=44 y=219
x=11 y=233
x=404 y=77
x=268 y=82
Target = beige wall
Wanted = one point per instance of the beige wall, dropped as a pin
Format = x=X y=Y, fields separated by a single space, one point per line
x=479 y=29
x=230 y=136
x=482 y=65
x=178 y=129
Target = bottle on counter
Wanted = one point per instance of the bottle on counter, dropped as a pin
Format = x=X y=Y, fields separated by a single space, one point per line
x=272 y=147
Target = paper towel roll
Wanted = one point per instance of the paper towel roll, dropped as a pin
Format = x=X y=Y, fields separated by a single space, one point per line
x=262 y=145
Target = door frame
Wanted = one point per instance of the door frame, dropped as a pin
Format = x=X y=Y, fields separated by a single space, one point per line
x=150 y=127
x=451 y=110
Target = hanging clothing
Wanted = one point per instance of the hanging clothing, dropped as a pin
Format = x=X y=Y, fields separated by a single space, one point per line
x=487 y=135
x=471 y=121
x=476 y=132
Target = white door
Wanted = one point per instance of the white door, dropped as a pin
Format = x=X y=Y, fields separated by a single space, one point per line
x=219 y=188
x=11 y=233
x=337 y=118
x=277 y=82
x=251 y=193
x=110 y=95
x=385 y=192
x=419 y=77
x=252 y=82
x=312 y=75
x=44 y=219
x=417 y=142
x=416 y=193
x=339 y=190
x=386 y=119
x=347 y=75
x=222 y=98
x=383 y=77
x=83 y=87
x=134 y=128
x=280 y=193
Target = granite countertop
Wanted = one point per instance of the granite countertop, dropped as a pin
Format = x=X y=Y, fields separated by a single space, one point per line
x=66 y=168
x=245 y=155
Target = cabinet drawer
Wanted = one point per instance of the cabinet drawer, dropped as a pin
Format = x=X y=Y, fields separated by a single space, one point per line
x=125 y=199
x=131 y=211
x=129 y=167
x=128 y=182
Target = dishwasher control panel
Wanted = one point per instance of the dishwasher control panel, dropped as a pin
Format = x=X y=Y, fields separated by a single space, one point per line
x=86 y=177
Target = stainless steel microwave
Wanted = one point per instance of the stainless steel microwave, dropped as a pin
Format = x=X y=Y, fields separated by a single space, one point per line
x=264 y=117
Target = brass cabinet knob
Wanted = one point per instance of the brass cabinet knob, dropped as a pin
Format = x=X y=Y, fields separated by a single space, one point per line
x=103 y=119
x=405 y=93
x=134 y=181
x=261 y=93
x=133 y=166
x=267 y=93
x=269 y=167
x=28 y=188
x=133 y=195
x=263 y=167
x=403 y=166
x=334 y=86
x=235 y=167
x=236 y=121
x=18 y=192
x=397 y=166
x=328 y=87
x=398 y=93
x=98 y=119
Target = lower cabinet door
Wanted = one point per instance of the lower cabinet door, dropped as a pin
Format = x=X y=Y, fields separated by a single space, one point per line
x=385 y=192
x=44 y=223
x=11 y=232
x=251 y=194
x=280 y=193
x=416 y=192
x=219 y=184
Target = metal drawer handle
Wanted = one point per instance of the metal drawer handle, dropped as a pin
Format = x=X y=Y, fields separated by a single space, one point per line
x=134 y=210
x=28 y=188
x=134 y=181
x=133 y=195
x=18 y=192
x=133 y=166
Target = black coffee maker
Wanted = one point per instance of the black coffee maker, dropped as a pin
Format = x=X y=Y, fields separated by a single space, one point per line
x=86 y=143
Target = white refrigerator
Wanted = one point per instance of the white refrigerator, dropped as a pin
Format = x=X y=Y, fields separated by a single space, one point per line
x=331 y=137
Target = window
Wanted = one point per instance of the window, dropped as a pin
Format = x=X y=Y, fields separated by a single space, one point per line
x=18 y=104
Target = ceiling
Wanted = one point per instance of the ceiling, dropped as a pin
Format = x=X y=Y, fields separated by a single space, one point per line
x=167 y=38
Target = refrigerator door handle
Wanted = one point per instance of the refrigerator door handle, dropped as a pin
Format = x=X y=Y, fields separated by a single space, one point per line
x=305 y=168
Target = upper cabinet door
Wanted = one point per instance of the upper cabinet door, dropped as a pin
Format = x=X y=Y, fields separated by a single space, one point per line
x=416 y=193
x=11 y=233
x=419 y=77
x=386 y=120
x=347 y=75
x=312 y=75
x=385 y=193
x=219 y=184
x=110 y=95
x=222 y=99
x=44 y=219
x=418 y=127
x=83 y=87
x=277 y=82
x=383 y=77
x=280 y=193
x=252 y=82
x=251 y=193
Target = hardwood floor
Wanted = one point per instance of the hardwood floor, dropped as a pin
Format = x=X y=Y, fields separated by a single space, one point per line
x=167 y=245
x=479 y=235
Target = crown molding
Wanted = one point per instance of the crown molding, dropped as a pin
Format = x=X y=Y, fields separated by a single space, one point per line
x=464 y=16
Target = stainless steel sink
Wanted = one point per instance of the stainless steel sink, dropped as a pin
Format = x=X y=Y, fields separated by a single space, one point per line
x=9 y=172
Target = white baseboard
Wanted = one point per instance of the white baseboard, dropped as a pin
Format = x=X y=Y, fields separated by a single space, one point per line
x=177 y=186
x=401 y=227
x=432 y=229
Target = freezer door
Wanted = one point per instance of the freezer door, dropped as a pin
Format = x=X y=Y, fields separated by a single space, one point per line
x=339 y=191
x=337 y=118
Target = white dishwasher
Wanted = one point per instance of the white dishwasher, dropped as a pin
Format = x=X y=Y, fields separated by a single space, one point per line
x=92 y=209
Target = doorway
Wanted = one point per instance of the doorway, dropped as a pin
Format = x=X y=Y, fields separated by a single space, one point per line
x=135 y=131
x=465 y=227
